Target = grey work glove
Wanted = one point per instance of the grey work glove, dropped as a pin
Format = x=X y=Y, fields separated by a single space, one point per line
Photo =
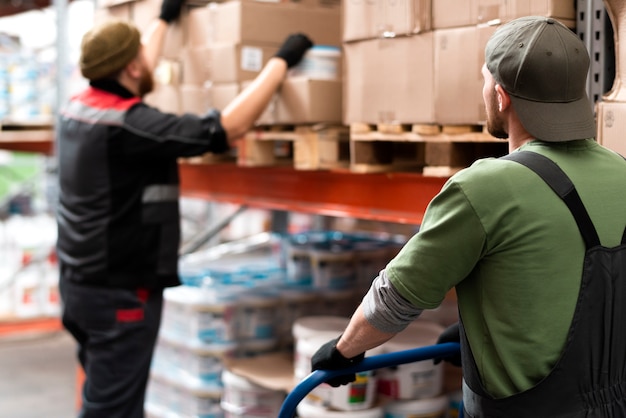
x=450 y=335
x=294 y=48
x=329 y=358
x=170 y=10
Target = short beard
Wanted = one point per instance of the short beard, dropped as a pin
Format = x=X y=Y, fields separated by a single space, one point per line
x=495 y=125
x=146 y=83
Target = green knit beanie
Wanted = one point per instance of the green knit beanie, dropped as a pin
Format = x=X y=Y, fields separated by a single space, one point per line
x=108 y=48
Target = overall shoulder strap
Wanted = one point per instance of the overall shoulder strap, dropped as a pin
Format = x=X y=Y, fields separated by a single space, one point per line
x=562 y=186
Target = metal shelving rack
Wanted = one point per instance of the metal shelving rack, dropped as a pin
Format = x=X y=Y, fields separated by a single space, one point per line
x=392 y=197
x=595 y=29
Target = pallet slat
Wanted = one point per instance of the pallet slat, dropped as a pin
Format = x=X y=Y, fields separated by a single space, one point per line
x=306 y=147
x=432 y=149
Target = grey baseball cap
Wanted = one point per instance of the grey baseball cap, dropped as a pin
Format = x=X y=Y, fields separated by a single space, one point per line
x=543 y=66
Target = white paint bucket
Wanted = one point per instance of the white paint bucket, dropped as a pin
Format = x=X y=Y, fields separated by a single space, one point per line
x=295 y=302
x=355 y=396
x=423 y=408
x=209 y=315
x=257 y=316
x=312 y=326
x=243 y=398
x=320 y=329
x=320 y=62
x=306 y=410
x=422 y=379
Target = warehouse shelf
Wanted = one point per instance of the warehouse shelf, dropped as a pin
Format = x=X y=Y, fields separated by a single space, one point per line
x=399 y=197
x=12 y=326
x=39 y=141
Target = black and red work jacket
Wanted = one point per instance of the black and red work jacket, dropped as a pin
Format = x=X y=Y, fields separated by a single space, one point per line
x=118 y=208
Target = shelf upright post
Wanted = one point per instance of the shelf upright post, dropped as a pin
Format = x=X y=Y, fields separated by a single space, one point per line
x=594 y=28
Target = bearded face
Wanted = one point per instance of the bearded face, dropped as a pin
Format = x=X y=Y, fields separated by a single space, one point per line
x=495 y=122
x=146 y=81
x=496 y=125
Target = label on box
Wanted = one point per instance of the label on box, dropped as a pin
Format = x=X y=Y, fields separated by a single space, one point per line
x=251 y=58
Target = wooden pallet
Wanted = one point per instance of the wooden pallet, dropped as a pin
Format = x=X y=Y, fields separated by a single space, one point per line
x=34 y=124
x=434 y=150
x=36 y=135
x=308 y=147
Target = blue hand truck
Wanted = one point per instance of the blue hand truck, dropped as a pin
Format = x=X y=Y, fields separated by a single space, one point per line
x=288 y=408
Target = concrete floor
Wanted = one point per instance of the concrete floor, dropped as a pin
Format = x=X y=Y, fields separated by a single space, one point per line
x=38 y=376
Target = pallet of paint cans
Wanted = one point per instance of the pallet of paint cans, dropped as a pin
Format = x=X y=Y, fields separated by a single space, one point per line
x=222 y=314
x=336 y=260
x=167 y=397
x=191 y=360
x=245 y=399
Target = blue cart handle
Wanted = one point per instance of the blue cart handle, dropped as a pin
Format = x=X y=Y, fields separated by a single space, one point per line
x=288 y=408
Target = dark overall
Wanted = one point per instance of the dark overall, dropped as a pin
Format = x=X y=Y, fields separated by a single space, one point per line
x=589 y=379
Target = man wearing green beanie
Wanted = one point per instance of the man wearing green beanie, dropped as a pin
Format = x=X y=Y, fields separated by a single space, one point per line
x=118 y=216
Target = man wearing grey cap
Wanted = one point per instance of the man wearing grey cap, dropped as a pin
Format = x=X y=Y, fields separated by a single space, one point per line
x=537 y=258
x=118 y=215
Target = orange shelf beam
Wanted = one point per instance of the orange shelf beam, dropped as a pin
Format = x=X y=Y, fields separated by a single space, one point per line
x=39 y=141
x=17 y=326
x=391 y=197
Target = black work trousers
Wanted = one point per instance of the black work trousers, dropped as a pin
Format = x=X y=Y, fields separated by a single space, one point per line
x=116 y=331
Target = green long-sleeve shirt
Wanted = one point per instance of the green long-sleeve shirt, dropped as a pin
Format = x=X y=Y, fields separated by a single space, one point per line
x=508 y=243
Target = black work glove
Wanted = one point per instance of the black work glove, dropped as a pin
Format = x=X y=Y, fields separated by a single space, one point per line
x=170 y=10
x=329 y=358
x=450 y=335
x=294 y=48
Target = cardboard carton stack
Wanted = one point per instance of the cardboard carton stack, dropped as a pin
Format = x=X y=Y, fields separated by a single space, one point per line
x=611 y=111
x=419 y=61
x=415 y=62
x=215 y=49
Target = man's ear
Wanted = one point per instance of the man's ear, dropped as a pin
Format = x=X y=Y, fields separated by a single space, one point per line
x=133 y=68
x=504 y=100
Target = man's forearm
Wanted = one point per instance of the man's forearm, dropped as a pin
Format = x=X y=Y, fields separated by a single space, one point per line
x=240 y=114
x=360 y=336
x=382 y=314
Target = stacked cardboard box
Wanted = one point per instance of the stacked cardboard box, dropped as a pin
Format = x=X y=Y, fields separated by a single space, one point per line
x=216 y=49
x=407 y=61
x=419 y=61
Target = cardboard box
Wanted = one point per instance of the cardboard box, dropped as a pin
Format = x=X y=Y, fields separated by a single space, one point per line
x=298 y=101
x=365 y=19
x=459 y=57
x=144 y=13
x=301 y=101
x=612 y=125
x=166 y=93
x=196 y=65
x=166 y=98
x=113 y=3
x=318 y=3
x=240 y=22
x=238 y=62
x=194 y=99
x=559 y=9
x=199 y=27
x=222 y=94
x=390 y=80
x=455 y=13
x=123 y=12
